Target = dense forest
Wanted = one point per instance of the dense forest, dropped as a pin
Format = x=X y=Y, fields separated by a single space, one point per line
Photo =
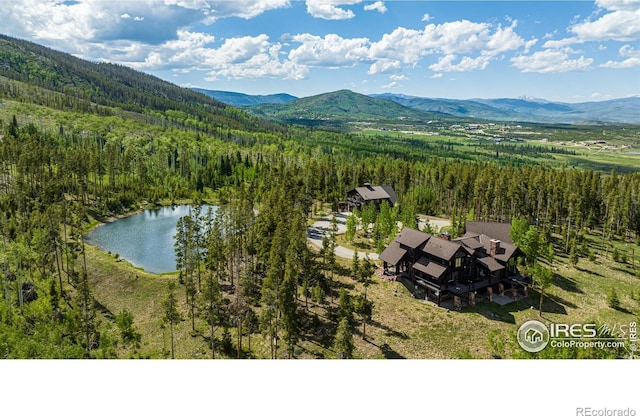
x=80 y=142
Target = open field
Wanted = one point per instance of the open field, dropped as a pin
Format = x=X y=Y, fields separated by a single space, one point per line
x=573 y=146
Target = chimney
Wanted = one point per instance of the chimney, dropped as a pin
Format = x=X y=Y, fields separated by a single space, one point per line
x=494 y=247
x=445 y=235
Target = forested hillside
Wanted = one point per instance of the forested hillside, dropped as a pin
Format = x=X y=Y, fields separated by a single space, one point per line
x=82 y=142
x=104 y=88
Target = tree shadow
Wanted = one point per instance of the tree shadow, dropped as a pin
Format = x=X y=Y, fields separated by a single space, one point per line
x=623 y=310
x=588 y=272
x=387 y=351
x=495 y=312
x=556 y=304
x=104 y=310
x=567 y=284
x=388 y=331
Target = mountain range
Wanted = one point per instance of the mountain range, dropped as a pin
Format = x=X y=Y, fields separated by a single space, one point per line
x=347 y=105
x=527 y=109
x=238 y=99
x=94 y=87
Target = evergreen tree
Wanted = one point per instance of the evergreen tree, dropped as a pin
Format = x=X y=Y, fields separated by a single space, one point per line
x=171 y=313
x=613 y=301
x=211 y=308
x=128 y=331
x=542 y=277
x=573 y=255
x=351 y=224
x=343 y=342
x=345 y=307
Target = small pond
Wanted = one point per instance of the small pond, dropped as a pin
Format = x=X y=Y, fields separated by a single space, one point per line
x=144 y=239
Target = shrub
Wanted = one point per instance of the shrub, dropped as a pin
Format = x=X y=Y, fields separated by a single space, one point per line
x=612 y=299
x=615 y=255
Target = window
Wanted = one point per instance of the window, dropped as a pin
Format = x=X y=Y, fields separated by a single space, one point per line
x=458 y=262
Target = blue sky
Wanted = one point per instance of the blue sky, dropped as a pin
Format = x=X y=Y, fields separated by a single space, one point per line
x=563 y=51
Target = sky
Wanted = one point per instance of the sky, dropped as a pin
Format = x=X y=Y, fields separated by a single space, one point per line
x=569 y=51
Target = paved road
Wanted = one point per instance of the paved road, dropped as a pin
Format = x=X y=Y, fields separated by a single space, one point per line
x=320 y=228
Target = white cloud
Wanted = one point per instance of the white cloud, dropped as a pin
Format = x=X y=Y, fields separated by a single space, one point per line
x=408 y=46
x=402 y=44
x=551 y=60
x=446 y=64
x=125 y=16
x=330 y=51
x=390 y=85
x=627 y=63
x=628 y=50
x=620 y=22
x=436 y=76
x=559 y=44
x=619 y=4
x=504 y=40
x=384 y=67
x=632 y=61
x=378 y=5
x=426 y=17
x=329 y=10
x=138 y=19
x=620 y=25
x=399 y=77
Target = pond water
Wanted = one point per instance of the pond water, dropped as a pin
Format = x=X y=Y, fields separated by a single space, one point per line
x=144 y=239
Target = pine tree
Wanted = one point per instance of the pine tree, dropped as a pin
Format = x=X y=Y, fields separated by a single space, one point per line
x=343 y=342
x=364 y=307
x=351 y=224
x=543 y=278
x=573 y=255
x=613 y=301
x=211 y=307
x=345 y=307
x=171 y=313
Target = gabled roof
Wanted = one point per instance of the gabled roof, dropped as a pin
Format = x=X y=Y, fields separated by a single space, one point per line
x=430 y=268
x=392 y=194
x=470 y=241
x=491 y=264
x=441 y=248
x=393 y=253
x=374 y=193
x=504 y=253
x=497 y=230
x=411 y=238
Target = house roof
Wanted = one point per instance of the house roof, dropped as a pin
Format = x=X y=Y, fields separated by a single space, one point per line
x=393 y=253
x=470 y=241
x=411 y=238
x=504 y=253
x=497 y=230
x=430 y=268
x=392 y=194
x=491 y=264
x=374 y=193
x=441 y=248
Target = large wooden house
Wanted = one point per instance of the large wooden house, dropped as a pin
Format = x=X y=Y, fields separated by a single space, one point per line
x=440 y=267
x=367 y=194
